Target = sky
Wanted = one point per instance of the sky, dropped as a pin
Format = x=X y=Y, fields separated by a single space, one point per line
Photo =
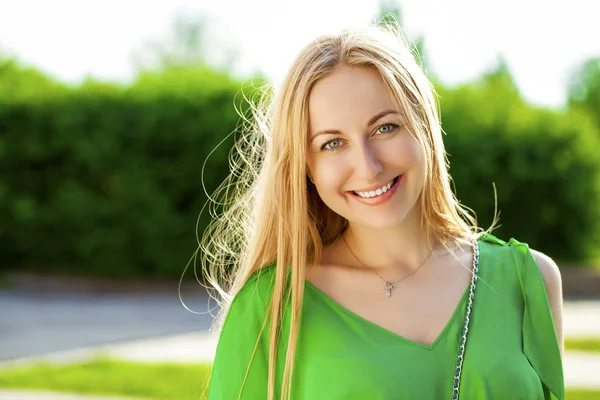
x=542 y=41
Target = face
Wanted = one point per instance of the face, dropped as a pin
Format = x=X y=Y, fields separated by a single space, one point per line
x=365 y=164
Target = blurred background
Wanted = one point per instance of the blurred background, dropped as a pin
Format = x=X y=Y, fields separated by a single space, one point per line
x=109 y=110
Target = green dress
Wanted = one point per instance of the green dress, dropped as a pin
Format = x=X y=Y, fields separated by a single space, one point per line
x=512 y=349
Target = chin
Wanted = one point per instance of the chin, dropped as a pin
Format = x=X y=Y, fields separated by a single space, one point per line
x=378 y=221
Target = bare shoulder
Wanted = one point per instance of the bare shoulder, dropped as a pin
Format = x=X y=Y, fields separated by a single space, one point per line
x=549 y=269
x=553 y=282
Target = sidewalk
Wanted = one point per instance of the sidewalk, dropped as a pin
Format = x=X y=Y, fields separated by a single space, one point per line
x=581 y=319
x=582 y=370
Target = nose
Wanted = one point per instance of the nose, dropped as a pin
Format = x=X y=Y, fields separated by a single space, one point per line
x=367 y=164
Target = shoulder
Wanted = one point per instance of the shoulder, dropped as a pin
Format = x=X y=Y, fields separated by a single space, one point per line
x=258 y=288
x=247 y=310
x=549 y=271
x=553 y=284
x=548 y=268
x=529 y=262
x=527 y=258
x=552 y=281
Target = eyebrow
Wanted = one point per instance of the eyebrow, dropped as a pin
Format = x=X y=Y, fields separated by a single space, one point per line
x=369 y=123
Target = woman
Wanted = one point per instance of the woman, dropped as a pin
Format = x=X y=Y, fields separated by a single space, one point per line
x=353 y=271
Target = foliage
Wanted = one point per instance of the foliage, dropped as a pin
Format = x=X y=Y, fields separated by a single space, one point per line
x=19 y=82
x=545 y=166
x=584 y=88
x=106 y=180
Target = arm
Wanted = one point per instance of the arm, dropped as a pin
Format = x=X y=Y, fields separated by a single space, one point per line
x=553 y=283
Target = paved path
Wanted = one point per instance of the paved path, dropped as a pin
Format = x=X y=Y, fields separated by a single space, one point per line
x=37 y=324
x=582 y=370
x=45 y=323
x=581 y=319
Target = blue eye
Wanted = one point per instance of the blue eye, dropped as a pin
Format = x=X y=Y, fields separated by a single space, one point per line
x=386 y=128
x=331 y=145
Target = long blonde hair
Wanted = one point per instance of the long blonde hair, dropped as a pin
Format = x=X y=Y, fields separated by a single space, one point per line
x=273 y=215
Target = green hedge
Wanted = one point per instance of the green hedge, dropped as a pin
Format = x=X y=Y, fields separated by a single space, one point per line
x=106 y=180
x=545 y=166
x=103 y=180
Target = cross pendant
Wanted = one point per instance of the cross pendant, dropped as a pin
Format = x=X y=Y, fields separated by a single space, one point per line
x=388 y=288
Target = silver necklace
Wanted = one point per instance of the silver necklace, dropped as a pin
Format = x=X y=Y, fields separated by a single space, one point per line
x=468 y=312
x=388 y=286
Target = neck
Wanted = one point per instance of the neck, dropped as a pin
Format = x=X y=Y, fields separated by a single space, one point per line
x=398 y=250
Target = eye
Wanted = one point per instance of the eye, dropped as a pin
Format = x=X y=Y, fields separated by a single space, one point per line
x=386 y=128
x=331 y=145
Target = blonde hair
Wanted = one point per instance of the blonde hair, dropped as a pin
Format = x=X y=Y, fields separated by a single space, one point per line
x=273 y=215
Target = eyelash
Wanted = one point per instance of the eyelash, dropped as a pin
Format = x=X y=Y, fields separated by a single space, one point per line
x=392 y=125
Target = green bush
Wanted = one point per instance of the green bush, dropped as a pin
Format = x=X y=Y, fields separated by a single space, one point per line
x=19 y=82
x=545 y=166
x=584 y=88
x=104 y=180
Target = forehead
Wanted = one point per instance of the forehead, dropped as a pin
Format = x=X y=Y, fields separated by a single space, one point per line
x=348 y=96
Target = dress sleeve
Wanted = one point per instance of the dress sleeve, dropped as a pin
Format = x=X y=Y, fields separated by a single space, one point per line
x=237 y=344
x=540 y=342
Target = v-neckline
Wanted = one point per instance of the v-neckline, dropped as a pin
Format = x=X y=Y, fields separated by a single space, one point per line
x=457 y=311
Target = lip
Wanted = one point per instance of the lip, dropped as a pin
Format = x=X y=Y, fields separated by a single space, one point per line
x=382 y=198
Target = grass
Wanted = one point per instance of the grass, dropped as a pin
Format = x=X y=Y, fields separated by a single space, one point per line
x=112 y=377
x=122 y=378
x=585 y=344
x=583 y=394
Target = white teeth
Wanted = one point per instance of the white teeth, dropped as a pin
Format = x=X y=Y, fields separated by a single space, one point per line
x=377 y=192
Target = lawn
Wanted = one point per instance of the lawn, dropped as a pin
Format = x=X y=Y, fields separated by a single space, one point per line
x=112 y=377
x=586 y=344
x=123 y=378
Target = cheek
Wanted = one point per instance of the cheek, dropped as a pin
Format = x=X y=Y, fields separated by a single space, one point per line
x=415 y=164
x=330 y=173
x=404 y=152
x=417 y=157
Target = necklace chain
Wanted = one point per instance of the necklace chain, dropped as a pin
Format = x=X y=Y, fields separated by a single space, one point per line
x=388 y=286
x=463 y=337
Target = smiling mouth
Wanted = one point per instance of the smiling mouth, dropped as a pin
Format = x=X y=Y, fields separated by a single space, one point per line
x=378 y=192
